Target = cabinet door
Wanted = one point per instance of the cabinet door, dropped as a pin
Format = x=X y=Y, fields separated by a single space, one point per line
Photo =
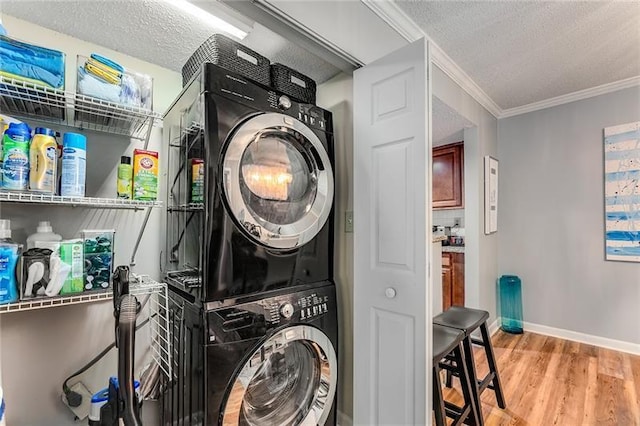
x=447 y=281
x=448 y=176
x=457 y=280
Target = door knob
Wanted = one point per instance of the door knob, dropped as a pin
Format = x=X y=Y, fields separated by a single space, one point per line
x=390 y=292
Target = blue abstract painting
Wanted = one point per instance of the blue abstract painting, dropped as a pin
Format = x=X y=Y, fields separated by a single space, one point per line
x=622 y=191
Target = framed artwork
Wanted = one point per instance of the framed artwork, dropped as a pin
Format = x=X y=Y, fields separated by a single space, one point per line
x=622 y=192
x=490 y=195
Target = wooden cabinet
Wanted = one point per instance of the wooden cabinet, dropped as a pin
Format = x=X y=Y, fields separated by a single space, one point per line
x=452 y=279
x=448 y=176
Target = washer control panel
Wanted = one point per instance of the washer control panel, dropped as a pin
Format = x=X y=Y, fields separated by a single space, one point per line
x=313 y=305
x=255 y=318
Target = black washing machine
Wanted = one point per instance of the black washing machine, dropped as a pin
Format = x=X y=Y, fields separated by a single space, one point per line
x=265 y=361
x=250 y=189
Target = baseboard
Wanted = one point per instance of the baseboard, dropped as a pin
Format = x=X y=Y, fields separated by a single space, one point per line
x=493 y=327
x=344 y=420
x=603 y=342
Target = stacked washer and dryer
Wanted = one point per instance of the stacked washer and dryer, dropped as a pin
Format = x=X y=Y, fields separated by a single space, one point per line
x=249 y=256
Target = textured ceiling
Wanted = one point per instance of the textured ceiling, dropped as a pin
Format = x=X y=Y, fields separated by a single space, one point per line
x=521 y=52
x=518 y=52
x=155 y=32
x=447 y=125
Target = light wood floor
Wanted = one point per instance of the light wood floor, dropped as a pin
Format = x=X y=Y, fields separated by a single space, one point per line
x=549 y=381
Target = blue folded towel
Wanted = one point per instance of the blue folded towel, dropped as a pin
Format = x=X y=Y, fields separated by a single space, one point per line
x=91 y=85
x=34 y=62
x=108 y=62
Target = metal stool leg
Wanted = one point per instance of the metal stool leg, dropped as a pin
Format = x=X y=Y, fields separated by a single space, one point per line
x=438 y=400
x=491 y=360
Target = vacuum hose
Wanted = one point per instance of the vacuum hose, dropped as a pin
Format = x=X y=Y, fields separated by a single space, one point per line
x=126 y=347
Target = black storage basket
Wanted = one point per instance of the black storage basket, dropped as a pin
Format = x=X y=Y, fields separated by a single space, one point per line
x=293 y=83
x=229 y=54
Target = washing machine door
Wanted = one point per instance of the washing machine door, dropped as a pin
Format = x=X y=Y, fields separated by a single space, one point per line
x=278 y=180
x=289 y=380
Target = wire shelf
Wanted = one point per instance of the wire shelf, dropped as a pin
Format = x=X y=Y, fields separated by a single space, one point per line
x=158 y=311
x=72 y=109
x=29 y=100
x=109 y=117
x=51 y=302
x=105 y=203
x=143 y=287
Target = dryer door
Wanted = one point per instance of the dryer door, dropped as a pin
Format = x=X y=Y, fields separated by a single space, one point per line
x=290 y=380
x=278 y=181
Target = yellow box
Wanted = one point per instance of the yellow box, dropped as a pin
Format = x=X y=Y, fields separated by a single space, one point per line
x=145 y=175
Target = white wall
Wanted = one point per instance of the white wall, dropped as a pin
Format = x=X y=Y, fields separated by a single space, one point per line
x=481 y=261
x=336 y=95
x=551 y=207
x=349 y=25
x=40 y=348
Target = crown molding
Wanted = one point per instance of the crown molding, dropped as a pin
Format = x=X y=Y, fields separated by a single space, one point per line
x=389 y=12
x=395 y=17
x=572 y=97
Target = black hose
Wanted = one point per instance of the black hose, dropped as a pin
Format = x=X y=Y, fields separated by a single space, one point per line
x=126 y=352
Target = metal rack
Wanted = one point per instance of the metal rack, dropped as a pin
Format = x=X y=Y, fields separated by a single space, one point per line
x=190 y=207
x=159 y=329
x=75 y=110
x=157 y=311
x=105 y=203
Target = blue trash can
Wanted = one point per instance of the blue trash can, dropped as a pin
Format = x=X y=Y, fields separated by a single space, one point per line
x=510 y=287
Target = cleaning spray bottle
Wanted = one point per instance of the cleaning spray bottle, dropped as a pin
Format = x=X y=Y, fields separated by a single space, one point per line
x=125 y=178
x=9 y=254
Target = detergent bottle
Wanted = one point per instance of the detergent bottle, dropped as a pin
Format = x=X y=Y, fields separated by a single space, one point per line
x=9 y=255
x=43 y=161
x=15 y=150
x=44 y=238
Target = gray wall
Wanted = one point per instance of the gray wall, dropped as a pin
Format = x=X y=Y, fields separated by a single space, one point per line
x=39 y=349
x=481 y=251
x=336 y=95
x=551 y=218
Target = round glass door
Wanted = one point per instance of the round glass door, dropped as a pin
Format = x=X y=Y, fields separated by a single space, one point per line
x=278 y=181
x=288 y=381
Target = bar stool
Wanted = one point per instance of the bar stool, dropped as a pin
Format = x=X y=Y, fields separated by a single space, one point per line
x=447 y=343
x=468 y=320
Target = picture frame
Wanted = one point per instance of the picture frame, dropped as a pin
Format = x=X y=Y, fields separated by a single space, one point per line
x=621 y=192
x=490 y=195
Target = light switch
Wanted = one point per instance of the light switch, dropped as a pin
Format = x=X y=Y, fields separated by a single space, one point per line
x=348 y=222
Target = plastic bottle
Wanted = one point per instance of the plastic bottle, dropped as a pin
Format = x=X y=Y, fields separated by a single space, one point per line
x=43 y=161
x=125 y=178
x=2 y=408
x=9 y=255
x=74 y=165
x=1 y=154
x=15 y=164
x=197 y=180
x=44 y=238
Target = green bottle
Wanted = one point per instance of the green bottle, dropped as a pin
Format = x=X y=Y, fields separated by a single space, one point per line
x=125 y=178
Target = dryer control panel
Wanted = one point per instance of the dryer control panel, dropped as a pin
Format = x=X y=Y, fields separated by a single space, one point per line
x=259 y=317
x=242 y=90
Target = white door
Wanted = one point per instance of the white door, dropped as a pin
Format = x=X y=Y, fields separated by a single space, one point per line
x=392 y=240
